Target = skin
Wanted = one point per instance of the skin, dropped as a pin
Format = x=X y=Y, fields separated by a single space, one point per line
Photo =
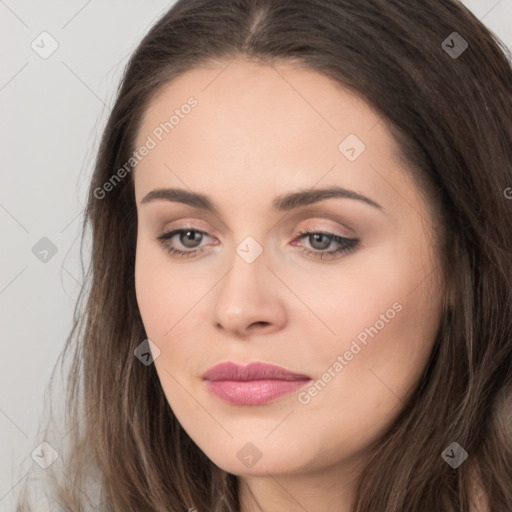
x=259 y=132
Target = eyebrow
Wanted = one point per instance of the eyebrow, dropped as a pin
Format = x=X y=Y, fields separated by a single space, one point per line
x=281 y=203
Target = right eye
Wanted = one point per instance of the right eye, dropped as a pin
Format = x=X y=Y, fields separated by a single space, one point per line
x=186 y=236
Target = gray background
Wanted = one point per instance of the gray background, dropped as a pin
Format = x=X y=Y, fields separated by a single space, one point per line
x=53 y=111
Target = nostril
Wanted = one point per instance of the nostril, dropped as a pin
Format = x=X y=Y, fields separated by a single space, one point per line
x=260 y=323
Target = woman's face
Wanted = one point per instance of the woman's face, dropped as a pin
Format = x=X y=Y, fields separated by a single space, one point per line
x=260 y=143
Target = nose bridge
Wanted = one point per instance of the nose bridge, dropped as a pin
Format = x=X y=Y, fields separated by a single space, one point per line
x=245 y=295
x=247 y=272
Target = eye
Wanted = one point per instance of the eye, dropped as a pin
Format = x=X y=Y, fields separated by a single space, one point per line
x=188 y=237
x=321 y=240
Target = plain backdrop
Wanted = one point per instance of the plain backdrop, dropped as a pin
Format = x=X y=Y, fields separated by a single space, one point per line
x=53 y=109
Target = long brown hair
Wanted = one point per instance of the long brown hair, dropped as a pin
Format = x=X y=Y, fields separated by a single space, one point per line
x=450 y=107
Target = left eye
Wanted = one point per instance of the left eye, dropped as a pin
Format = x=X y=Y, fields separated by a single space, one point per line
x=346 y=245
x=190 y=238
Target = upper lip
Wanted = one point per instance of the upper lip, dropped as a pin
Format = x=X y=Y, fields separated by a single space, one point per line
x=252 y=371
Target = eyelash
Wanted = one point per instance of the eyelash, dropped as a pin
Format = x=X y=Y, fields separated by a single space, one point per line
x=348 y=245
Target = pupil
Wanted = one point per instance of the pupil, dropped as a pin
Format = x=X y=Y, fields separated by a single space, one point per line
x=190 y=236
x=318 y=237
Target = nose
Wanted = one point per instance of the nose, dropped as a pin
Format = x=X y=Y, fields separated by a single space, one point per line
x=249 y=299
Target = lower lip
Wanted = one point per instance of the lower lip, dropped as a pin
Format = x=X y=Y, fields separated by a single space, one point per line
x=253 y=392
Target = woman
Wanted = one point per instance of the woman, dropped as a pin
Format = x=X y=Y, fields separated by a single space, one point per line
x=300 y=292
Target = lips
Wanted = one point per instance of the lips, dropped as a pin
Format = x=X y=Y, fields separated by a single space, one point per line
x=252 y=384
x=252 y=371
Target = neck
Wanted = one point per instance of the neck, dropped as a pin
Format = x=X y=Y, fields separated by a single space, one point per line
x=327 y=489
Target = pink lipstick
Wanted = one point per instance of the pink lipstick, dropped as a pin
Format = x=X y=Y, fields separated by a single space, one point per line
x=252 y=384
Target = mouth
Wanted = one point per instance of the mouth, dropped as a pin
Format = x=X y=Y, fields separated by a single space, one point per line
x=252 y=384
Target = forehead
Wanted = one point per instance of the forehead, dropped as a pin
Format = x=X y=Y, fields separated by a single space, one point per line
x=263 y=98
x=256 y=128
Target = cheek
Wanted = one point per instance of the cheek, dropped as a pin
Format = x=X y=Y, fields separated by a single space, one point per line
x=169 y=302
x=163 y=306
x=380 y=366
x=154 y=289
x=367 y=288
x=385 y=310
x=151 y=307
